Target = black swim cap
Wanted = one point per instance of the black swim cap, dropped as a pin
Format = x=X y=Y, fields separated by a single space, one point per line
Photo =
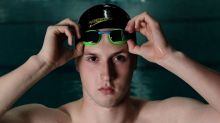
x=103 y=16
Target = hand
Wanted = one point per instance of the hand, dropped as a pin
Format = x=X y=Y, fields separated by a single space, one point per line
x=53 y=52
x=156 y=48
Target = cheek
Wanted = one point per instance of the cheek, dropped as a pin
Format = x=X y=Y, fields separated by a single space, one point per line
x=124 y=72
x=123 y=81
x=87 y=74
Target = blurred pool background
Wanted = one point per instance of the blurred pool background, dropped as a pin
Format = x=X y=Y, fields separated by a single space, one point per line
x=190 y=26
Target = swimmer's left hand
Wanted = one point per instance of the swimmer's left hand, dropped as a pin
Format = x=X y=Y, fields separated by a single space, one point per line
x=157 y=48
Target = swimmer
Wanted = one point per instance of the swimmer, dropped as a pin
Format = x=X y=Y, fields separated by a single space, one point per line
x=106 y=46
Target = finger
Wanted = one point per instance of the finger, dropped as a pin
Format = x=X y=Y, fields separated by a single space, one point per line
x=132 y=47
x=145 y=29
x=145 y=17
x=137 y=23
x=152 y=22
x=130 y=25
x=143 y=24
x=67 y=32
x=78 y=51
x=71 y=23
x=148 y=17
x=66 y=21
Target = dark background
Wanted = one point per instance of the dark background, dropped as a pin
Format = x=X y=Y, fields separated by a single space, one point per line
x=191 y=26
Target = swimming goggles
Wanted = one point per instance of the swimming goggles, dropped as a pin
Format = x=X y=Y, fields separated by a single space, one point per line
x=115 y=36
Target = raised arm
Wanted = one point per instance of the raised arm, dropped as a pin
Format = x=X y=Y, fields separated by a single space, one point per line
x=205 y=81
x=52 y=55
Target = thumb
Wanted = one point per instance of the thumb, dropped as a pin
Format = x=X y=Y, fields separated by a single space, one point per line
x=78 y=51
x=132 y=47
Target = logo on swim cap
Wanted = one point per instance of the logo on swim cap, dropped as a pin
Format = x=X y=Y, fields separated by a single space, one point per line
x=103 y=16
x=97 y=21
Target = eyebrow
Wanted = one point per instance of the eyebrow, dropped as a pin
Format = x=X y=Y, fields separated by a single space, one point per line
x=88 y=53
x=121 y=51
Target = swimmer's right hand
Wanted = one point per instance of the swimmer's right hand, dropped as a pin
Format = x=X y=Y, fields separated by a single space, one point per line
x=53 y=52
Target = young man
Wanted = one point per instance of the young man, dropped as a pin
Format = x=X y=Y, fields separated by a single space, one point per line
x=106 y=64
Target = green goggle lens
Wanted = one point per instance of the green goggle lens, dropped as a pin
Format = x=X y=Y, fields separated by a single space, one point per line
x=115 y=36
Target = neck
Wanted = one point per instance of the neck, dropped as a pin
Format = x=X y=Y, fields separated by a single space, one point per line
x=122 y=113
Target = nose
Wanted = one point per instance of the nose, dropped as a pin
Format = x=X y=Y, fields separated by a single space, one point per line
x=107 y=71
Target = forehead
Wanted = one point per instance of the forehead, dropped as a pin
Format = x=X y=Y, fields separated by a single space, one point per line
x=105 y=48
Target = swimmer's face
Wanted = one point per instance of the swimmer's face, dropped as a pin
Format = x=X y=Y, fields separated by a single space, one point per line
x=106 y=71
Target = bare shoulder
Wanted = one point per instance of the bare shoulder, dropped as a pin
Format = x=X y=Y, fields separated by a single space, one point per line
x=147 y=111
x=34 y=113
x=191 y=111
x=179 y=110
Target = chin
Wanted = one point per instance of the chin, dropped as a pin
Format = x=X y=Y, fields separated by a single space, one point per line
x=107 y=101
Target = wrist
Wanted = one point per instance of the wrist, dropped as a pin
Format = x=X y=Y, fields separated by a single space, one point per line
x=42 y=63
x=170 y=58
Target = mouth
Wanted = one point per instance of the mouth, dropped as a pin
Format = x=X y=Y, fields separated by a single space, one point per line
x=107 y=90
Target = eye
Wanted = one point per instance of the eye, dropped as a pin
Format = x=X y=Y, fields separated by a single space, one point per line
x=120 y=58
x=92 y=59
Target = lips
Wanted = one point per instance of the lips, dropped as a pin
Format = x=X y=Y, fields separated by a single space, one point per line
x=107 y=90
